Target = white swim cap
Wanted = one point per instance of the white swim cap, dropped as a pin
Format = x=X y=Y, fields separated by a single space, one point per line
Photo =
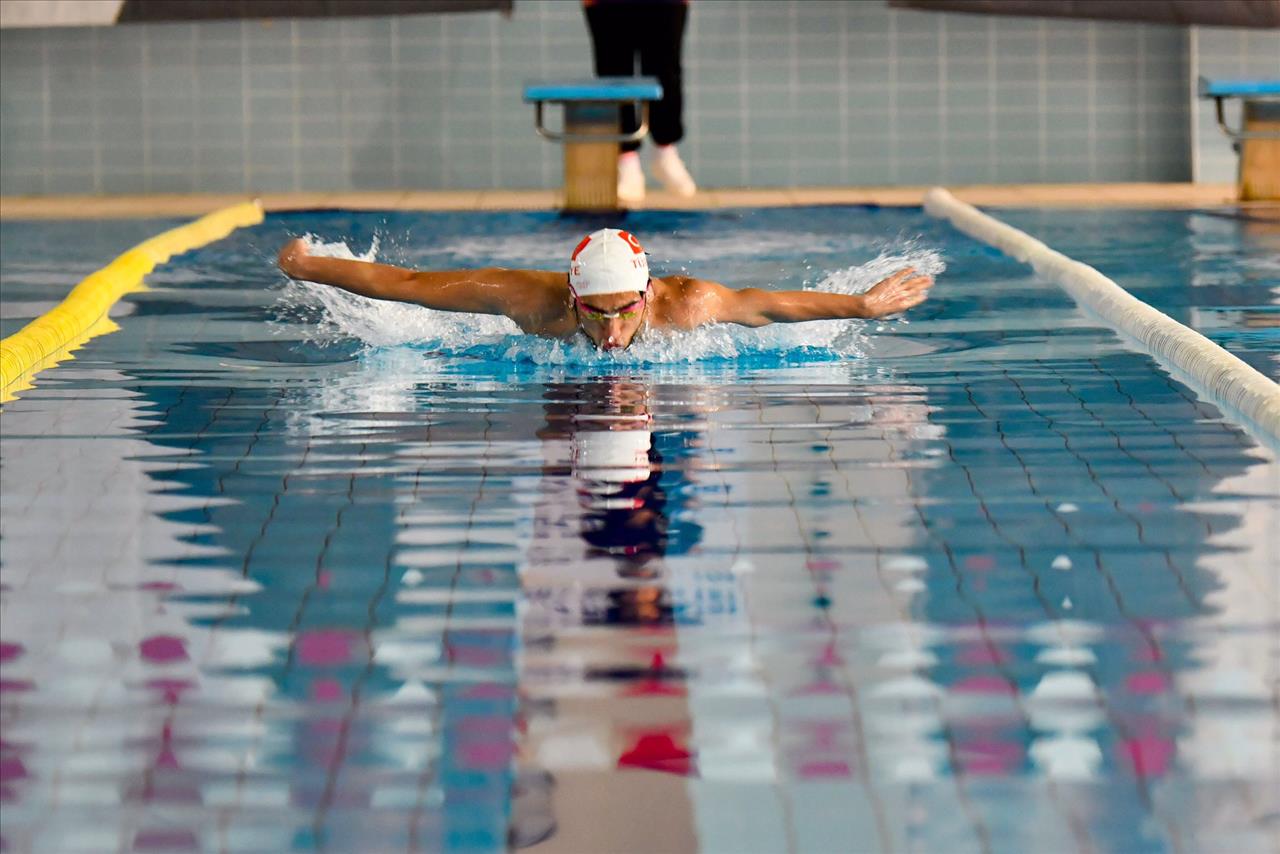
x=608 y=261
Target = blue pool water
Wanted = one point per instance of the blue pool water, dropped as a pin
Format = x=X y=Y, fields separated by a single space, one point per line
x=287 y=572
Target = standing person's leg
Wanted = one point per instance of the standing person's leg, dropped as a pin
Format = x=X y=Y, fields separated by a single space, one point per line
x=660 y=57
x=614 y=41
x=615 y=38
x=660 y=50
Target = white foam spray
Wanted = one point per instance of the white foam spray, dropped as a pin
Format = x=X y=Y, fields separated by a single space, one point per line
x=381 y=324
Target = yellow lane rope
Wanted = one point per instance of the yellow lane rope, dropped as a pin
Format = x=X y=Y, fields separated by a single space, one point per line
x=52 y=336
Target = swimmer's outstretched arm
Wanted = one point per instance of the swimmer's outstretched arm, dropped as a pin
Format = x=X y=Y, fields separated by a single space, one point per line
x=754 y=307
x=486 y=291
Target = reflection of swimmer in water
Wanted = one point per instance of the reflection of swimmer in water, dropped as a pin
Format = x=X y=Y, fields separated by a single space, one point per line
x=609 y=294
x=619 y=494
x=609 y=540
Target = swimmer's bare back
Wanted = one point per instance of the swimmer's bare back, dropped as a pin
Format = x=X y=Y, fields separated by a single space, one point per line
x=540 y=302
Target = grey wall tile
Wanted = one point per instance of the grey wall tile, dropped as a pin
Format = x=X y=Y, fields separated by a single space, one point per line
x=124 y=159
x=26 y=158
x=178 y=181
x=968 y=149
x=971 y=171
x=214 y=134
x=968 y=125
x=809 y=91
x=58 y=183
x=220 y=159
x=21 y=183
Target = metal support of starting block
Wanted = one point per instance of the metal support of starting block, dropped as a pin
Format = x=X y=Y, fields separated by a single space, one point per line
x=1258 y=137
x=591 y=132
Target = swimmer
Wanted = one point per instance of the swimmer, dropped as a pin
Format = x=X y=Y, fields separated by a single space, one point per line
x=608 y=294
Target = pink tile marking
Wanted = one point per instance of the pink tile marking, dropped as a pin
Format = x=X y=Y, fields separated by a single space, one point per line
x=327 y=690
x=478 y=656
x=830 y=657
x=324 y=647
x=163 y=649
x=1147 y=682
x=494 y=726
x=165 y=840
x=171 y=688
x=1148 y=754
x=989 y=758
x=981 y=653
x=824 y=768
x=818 y=688
x=489 y=691
x=983 y=685
x=11 y=769
x=825 y=735
x=487 y=755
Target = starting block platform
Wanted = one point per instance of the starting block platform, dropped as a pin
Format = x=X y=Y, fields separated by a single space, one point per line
x=1257 y=139
x=590 y=132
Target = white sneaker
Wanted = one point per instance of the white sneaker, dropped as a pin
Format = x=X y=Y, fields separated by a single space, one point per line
x=668 y=168
x=630 y=178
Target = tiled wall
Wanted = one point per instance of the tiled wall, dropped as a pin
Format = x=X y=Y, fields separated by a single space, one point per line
x=802 y=92
x=1221 y=53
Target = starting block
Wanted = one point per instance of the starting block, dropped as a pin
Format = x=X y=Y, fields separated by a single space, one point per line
x=591 y=133
x=1258 y=137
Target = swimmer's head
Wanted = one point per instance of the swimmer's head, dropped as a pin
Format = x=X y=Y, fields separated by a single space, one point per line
x=609 y=280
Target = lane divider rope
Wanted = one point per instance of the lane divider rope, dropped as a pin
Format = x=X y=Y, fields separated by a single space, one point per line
x=1238 y=388
x=83 y=314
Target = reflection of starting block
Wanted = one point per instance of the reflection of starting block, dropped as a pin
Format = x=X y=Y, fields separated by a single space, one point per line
x=1258 y=137
x=591 y=134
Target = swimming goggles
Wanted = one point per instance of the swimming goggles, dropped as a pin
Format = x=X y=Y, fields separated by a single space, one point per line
x=626 y=312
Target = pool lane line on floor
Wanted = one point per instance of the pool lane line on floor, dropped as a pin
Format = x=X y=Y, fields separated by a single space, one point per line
x=1241 y=391
x=82 y=315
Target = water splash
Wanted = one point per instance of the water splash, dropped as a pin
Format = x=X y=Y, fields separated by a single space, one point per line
x=380 y=324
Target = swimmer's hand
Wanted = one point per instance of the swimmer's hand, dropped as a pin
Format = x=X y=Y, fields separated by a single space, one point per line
x=293 y=257
x=899 y=292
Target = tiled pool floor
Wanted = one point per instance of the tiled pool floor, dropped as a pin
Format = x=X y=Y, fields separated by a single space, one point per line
x=999 y=585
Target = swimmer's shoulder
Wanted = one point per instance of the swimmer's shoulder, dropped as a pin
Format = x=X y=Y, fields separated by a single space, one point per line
x=541 y=306
x=686 y=301
x=681 y=287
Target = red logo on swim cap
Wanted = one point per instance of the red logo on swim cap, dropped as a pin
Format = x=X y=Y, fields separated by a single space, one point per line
x=632 y=242
x=580 y=247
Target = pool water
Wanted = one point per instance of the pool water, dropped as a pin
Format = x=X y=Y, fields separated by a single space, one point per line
x=285 y=571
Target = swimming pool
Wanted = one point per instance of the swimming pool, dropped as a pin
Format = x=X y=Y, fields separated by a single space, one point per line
x=287 y=572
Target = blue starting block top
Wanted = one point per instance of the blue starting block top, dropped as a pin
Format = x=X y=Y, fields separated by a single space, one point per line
x=1238 y=88
x=597 y=89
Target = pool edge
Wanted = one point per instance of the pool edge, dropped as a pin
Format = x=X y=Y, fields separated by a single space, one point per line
x=1127 y=195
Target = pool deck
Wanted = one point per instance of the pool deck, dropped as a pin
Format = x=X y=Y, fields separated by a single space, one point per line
x=1006 y=195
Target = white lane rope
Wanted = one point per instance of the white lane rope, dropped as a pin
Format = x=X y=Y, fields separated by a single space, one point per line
x=1241 y=391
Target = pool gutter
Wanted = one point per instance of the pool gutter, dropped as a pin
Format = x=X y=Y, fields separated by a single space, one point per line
x=1132 y=195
